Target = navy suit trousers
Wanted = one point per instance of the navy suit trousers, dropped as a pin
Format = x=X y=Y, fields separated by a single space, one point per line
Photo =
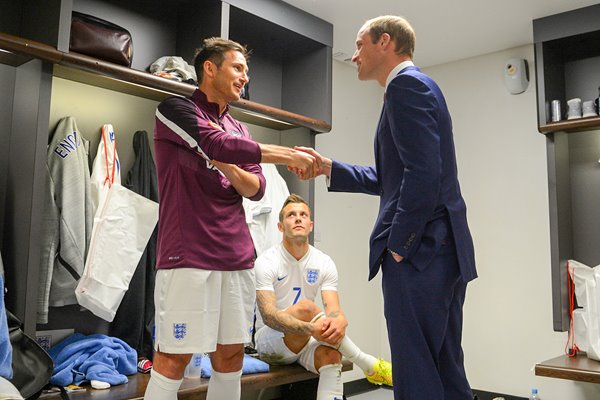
x=423 y=311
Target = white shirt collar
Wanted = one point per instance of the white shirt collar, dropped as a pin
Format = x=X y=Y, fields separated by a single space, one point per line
x=398 y=68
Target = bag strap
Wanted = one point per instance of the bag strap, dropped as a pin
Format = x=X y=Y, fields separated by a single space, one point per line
x=64 y=395
x=571 y=350
x=110 y=176
x=13 y=321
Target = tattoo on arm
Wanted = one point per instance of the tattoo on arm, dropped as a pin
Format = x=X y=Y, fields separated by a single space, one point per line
x=279 y=319
x=331 y=304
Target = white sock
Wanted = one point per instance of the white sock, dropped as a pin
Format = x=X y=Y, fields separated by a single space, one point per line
x=99 y=384
x=224 y=385
x=330 y=382
x=351 y=351
x=161 y=388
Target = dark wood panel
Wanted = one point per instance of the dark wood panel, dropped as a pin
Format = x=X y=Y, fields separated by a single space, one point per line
x=571 y=125
x=12 y=59
x=578 y=368
x=128 y=75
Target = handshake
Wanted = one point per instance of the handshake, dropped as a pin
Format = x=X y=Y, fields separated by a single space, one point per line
x=306 y=163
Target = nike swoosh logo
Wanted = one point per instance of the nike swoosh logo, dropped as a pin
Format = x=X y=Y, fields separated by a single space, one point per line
x=282 y=278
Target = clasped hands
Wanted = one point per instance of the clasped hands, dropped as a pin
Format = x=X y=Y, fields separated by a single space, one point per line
x=308 y=164
x=330 y=330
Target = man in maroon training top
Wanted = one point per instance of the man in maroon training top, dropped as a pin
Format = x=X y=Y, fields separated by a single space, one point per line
x=206 y=162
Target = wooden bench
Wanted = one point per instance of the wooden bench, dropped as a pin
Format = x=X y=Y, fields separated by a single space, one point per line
x=578 y=368
x=195 y=389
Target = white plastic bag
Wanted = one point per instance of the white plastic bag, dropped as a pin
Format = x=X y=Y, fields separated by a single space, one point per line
x=586 y=320
x=585 y=284
x=123 y=225
x=580 y=331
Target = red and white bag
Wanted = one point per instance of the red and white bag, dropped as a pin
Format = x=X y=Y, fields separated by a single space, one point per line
x=106 y=168
x=584 y=332
x=123 y=224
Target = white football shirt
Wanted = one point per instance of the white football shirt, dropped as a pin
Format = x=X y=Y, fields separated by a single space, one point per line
x=294 y=280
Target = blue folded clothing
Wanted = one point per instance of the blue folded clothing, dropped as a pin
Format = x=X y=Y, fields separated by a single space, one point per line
x=81 y=358
x=5 y=345
x=251 y=365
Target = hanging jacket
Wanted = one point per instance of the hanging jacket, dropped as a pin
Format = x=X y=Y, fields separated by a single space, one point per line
x=68 y=216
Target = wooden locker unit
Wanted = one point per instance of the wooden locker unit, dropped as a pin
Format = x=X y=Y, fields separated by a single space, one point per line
x=567 y=55
x=290 y=94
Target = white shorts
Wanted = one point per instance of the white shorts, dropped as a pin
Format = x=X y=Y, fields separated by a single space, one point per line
x=271 y=349
x=196 y=309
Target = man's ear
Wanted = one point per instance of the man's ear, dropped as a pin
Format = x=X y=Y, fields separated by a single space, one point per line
x=280 y=227
x=210 y=68
x=385 y=40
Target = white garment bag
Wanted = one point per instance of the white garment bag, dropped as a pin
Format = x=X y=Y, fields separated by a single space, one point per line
x=123 y=224
x=586 y=320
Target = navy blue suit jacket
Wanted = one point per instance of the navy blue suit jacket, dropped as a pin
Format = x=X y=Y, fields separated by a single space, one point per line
x=415 y=177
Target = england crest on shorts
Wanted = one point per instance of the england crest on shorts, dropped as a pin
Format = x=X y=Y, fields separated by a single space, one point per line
x=179 y=330
x=312 y=275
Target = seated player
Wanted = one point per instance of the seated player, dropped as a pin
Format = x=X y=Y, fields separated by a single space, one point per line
x=290 y=326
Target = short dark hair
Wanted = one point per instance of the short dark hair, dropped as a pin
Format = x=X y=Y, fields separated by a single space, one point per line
x=399 y=29
x=292 y=198
x=214 y=49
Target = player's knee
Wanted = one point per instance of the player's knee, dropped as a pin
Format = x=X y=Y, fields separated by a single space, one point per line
x=325 y=355
x=227 y=358
x=171 y=365
x=305 y=310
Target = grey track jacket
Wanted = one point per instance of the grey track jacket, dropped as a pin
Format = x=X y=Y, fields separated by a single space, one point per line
x=68 y=217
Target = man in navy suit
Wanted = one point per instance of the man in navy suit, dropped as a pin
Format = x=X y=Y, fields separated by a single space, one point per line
x=420 y=240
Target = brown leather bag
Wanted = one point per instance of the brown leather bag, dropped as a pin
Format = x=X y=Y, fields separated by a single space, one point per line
x=98 y=38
